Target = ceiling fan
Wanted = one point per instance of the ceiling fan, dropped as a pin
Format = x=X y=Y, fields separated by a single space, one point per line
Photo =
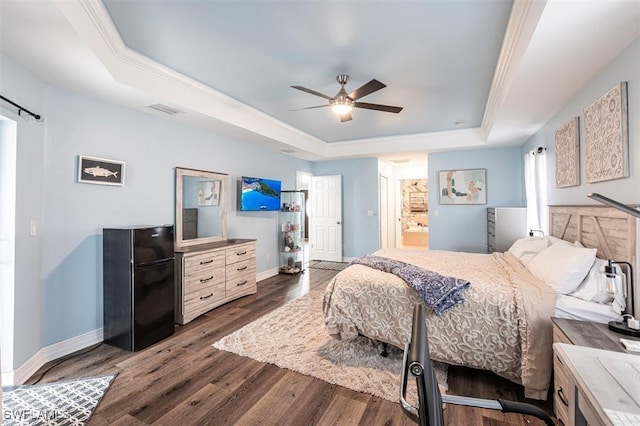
x=344 y=102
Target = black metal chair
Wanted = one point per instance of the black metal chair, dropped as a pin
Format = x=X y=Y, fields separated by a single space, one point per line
x=429 y=411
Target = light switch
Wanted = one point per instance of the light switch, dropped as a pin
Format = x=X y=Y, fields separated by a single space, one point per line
x=369 y=212
x=33 y=228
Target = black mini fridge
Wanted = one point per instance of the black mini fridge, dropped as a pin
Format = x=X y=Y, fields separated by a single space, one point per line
x=138 y=285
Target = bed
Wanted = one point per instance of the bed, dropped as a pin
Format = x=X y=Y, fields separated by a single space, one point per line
x=504 y=324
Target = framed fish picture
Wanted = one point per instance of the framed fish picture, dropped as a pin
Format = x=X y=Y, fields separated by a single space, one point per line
x=100 y=171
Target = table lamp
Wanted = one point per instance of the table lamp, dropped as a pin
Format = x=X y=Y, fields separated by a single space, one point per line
x=618 y=326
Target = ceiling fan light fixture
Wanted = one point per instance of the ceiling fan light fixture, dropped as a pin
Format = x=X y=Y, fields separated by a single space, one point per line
x=342 y=106
x=344 y=102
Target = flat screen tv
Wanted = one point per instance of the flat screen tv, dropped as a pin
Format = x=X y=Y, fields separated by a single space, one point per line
x=258 y=194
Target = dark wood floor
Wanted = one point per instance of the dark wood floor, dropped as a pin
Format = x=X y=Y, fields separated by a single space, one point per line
x=183 y=380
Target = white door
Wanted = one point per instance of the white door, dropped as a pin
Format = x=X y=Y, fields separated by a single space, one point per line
x=326 y=218
x=398 y=212
x=383 y=209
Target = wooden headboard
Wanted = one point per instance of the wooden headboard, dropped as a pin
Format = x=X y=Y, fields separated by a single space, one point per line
x=611 y=231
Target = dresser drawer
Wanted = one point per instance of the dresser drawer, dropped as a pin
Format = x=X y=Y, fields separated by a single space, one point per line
x=197 y=263
x=243 y=280
x=240 y=253
x=203 y=298
x=563 y=393
x=241 y=287
x=196 y=282
x=241 y=269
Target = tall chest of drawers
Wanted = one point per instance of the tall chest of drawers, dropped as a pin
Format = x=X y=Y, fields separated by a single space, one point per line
x=504 y=226
x=213 y=274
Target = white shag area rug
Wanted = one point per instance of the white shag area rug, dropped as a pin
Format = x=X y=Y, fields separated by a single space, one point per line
x=295 y=337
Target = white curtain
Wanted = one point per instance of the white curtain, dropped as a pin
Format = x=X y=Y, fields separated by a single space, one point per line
x=535 y=180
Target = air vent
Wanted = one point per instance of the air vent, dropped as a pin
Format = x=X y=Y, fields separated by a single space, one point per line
x=166 y=109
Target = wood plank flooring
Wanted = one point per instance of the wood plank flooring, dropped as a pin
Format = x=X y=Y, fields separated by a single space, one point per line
x=184 y=381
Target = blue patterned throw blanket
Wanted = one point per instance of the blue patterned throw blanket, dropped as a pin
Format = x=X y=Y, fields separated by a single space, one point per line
x=440 y=292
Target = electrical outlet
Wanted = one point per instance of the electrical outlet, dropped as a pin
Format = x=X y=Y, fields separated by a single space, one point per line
x=33 y=228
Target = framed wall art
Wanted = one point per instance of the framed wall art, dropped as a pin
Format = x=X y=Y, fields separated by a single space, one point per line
x=606 y=132
x=462 y=186
x=100 y=171
x=209 y=193
x=568 y=154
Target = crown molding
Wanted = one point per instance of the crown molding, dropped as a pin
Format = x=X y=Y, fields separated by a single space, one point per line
x=436 y=141
x=525 y=15
x=127 y=67
x=130 y=68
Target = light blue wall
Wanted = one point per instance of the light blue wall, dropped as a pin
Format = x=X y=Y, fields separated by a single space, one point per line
x=59 y=271
x=360 y=232
x=464 y=227
x=30 y=178
x=626 y=67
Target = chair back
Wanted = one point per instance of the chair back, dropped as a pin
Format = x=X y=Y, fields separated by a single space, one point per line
x=417 y=364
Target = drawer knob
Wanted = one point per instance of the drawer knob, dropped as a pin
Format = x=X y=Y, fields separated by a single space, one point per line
x=206 y=262
x=241 y=253
x=242 y=283
x=241 y=269
x=206 y=297
x=204 y=280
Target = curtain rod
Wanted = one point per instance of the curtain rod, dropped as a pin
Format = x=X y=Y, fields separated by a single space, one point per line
x=38 y=117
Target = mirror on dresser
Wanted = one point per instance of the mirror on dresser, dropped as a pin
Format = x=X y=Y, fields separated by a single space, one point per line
x=201 y=215
x=211 y=270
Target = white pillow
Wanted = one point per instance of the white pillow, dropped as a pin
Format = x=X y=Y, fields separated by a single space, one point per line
x=556 y=240
x=562 y=266
x=526 y=248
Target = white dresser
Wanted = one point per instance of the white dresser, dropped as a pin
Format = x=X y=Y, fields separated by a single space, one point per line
x=212 y=274
x=504 y=226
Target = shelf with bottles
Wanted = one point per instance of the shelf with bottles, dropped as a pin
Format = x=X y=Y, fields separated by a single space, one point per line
x=292 y=206
x=291 y=241
x=291 y=263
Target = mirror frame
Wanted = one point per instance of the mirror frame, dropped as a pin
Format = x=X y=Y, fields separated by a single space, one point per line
x=182 y=172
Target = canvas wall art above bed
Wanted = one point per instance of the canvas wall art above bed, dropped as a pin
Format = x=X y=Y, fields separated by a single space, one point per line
x=504 y=323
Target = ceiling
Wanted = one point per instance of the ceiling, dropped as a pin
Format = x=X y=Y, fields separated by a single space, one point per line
x=468 y=73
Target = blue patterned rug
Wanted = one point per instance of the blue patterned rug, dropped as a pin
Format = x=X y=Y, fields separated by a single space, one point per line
x=60 y=403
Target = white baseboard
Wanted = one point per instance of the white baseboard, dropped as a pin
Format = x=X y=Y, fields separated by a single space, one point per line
x=50 y=353
x=267 y=274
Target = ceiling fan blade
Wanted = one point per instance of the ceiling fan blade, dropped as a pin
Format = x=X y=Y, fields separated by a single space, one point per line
x=378 y=107
x=313 y=92
x=312 y=107
x=345 y=117
x=368 y=88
